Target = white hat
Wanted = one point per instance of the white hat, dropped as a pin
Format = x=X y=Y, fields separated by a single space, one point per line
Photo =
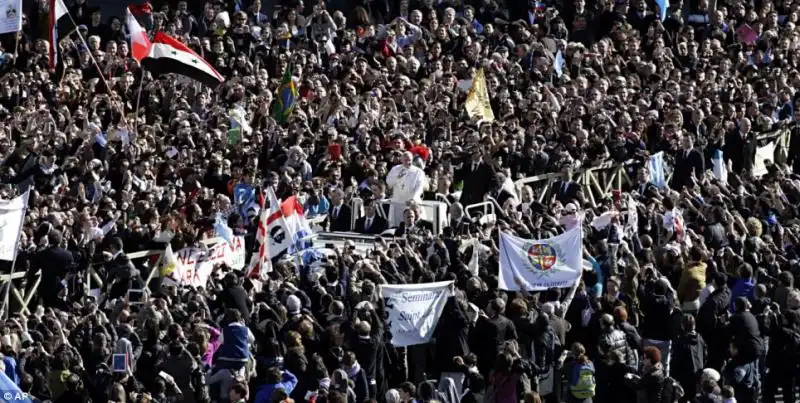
x=712 y=374
x=293 y=304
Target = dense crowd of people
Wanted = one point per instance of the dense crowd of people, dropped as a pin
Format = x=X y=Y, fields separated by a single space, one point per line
x=692 y=301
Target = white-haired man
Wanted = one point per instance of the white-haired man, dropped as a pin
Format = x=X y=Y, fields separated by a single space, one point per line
x=407 y=182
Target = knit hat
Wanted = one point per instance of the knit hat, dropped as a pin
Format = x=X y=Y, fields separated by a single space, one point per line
x=712 y=374
x=392 y=396
x=293 y=305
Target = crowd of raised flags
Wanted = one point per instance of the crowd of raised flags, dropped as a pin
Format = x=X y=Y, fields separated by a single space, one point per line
x=163 y=54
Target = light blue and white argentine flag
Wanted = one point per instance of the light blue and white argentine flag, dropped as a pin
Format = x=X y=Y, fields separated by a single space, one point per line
x=719 y=169
x=656 y=167
x=222 y=229
x=536 y=265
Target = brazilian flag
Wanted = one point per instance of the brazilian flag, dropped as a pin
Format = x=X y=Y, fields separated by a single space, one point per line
x=286 y=97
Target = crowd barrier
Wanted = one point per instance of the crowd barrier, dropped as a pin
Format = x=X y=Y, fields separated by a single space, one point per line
x=599 y=181
x=782 y=137
x=596 y=182
x=23 y=289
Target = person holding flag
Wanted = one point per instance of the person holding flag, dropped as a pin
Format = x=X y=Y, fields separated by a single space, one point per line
x=285 y=97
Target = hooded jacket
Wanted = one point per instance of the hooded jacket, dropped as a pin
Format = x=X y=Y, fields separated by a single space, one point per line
x=692 y=282
x=264 y=392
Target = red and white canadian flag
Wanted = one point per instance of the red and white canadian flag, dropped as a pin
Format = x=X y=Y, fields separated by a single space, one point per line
x=140 y=43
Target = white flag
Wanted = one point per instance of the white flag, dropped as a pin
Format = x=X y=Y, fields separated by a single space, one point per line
x=170 y=270
x=414 y=310
x=239 y=120
x=12 y=215
x=719 y=169
x=538 y=265
x=763 y=154
x=10 y=16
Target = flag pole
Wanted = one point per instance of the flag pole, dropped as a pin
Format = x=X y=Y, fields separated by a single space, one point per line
x=138 y=99
x=9 y=283
x=97 y=66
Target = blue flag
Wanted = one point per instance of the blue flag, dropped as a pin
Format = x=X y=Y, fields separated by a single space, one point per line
x=12 y=392
x=244 y=196
x=663 y=5
x=223 y=230
x=656 y=168
x=477 y=26
x=558 y=64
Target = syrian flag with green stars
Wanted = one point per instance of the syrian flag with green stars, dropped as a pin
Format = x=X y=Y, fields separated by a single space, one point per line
x=168 y=55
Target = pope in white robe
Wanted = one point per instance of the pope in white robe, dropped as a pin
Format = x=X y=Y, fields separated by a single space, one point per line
x=407 y=182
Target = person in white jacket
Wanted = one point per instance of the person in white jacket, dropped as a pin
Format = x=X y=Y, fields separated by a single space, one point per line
x=407 y=183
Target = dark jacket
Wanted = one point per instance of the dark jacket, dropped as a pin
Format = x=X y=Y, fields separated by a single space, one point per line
x=452 y=334
x=688 y=359
x=743 y=331
x=55 y=263
x=488 y=337
x=476 y=183
x=235 y=297
x=566 y=192
x=687 y=165
x=656 y=309
x=342 y=221
x=419 y=228
x=649 y=387
x=379 y=224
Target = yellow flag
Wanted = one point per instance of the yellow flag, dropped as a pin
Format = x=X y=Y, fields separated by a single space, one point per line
x=169 y=267
x=478 y=99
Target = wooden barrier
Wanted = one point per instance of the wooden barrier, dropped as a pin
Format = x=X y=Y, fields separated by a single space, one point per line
x=596 y=182
x=782 y=137
x=22 y=296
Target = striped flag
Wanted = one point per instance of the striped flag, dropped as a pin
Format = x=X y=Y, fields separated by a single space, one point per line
x=140 y=43
x=656 y=167
x=260 y=262
x=168 y=55
x=57 y=11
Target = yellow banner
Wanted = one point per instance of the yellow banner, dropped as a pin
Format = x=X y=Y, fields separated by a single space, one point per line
x=478 y=99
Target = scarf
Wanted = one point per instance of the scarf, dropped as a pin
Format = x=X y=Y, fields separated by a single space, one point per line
x=353 y=371
x=325 y=383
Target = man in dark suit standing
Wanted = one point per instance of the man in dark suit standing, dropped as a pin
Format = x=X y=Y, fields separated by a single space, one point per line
x=371 y=223
x=644 y=188
x=412 y=224
x=340 y=213
x=54 y=262
x=688 y=162
x=476 y=176
x=740 y=147
x=567 y=190
x=122 y=274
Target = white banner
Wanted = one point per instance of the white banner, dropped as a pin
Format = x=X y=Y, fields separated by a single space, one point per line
x=193 y=266
x=763 y=154
x=538 y=265
x=12 y=215
x=10 y=16
x=414 y=310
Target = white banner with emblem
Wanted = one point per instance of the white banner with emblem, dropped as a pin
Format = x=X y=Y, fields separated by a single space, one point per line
x=193 y=266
